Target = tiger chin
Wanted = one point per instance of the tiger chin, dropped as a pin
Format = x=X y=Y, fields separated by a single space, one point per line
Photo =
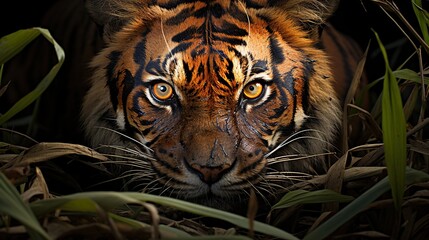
x=214 y=99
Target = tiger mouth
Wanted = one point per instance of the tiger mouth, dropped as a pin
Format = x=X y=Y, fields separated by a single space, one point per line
x=210 y=174
x=214 y=183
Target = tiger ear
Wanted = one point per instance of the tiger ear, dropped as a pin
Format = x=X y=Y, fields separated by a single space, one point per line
x=110 y=15
x=311 y=14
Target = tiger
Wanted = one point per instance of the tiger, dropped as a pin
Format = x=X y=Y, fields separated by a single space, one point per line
x=216 y=98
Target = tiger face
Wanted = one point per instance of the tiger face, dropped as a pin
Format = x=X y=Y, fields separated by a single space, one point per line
x=217 y=94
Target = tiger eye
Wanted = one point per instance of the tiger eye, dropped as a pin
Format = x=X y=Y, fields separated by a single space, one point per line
x=253 y=90
x=162 y=91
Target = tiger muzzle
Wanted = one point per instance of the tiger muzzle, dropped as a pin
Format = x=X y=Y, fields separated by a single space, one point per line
x=210 y=154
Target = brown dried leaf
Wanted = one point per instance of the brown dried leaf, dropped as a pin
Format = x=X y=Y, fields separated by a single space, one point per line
x=334 y=181
x=50 y=150
x=37 y=188
x=17 y=175
x=420 y=147
x=251 y=212
x=356 y=173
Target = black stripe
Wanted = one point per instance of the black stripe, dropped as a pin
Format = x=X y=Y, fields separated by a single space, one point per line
x=136 y=107
x=308 y=73
x=236 y=13
x=230 y=29
x=201 y=13
x=250 y=168
x=188 y=71
x=258 y=67
x=112 y=81
x=179 y=48
x=172 y=3
x=265 y=126
x=187 y=34
x=221 y=80
x=140 y=52
x=217 y=11
x=128 y=86
x=289 y=82
x=276 y=51
x=253 y=4
x=180 y=17
x=166 y=164
x=230 y=70
x=197 y=52
x=140 y=57
x=154 y=67
x=281 y=84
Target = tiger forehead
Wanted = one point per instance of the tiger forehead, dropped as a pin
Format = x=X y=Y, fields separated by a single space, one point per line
x=221 y=71
x=202 y=40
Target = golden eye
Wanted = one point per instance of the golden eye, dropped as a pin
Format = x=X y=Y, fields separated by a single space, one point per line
x=162 y=91
x=253 y=90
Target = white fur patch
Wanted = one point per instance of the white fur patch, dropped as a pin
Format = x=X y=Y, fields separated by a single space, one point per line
x=120 y=119
x=300 y=118
x=272 y=141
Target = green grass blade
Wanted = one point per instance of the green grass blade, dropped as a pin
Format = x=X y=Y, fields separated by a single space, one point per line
x=304 y=197
x=360 y=204
x=12 y=44
x=8 y=48
x=422 y=18
x=410 y=75
x=112 y=200
x=394 y=132
x=164 y=229
x=12 y=205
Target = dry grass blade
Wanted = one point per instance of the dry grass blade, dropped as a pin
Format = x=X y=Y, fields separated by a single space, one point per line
x=334 y=181
x=12 y=205
x=37 y=188
x=251 y=212
x=50 y=150
x=350 y=94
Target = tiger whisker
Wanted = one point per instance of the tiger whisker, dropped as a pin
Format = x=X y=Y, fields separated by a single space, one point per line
x=131 y=151
x=165 y=39
x=264 y=180
x=286 y=158
x=133 y=178
x=166 y=187
x=106 y=181
x=259 y=192
x=272 y=171
x=129 y=138
x=267 y=188
x=274 y=185
x=248 y=19
x=292 y=138
x=154 y=182
x=137 y=165
x=281 y=176
x=138 y=174
x=142 y=185
x=130 y=160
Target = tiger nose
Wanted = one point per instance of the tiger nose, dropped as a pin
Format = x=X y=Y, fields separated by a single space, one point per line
x=209 y=174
